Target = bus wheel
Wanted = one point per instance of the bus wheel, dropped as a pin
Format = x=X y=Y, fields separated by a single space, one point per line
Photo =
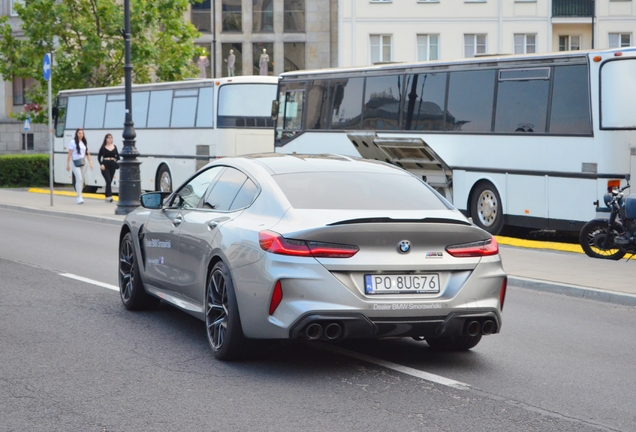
x=485 y=208
x=164 y=180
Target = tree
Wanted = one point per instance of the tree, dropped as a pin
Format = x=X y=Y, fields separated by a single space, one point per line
x=86 y=39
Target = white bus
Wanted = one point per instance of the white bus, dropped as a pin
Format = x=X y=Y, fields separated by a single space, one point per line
x=179 y=125
x=532 y=140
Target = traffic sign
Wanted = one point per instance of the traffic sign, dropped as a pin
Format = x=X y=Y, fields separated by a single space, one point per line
x=46 y=66
x=27 y=124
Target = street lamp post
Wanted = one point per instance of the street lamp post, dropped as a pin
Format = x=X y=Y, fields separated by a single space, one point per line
x=129 y=178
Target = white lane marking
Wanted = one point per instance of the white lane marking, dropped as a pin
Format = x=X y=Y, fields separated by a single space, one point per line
x=90 y=281
x=389 y=365
x=403 y=369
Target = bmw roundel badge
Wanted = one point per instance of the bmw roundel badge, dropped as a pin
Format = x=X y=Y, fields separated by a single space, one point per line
x=404 y=246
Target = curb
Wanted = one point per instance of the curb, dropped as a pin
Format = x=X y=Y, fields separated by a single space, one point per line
x=89 y=218
x=578 y=291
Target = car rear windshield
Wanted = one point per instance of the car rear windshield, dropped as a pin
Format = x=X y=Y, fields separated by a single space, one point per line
x=357 y=191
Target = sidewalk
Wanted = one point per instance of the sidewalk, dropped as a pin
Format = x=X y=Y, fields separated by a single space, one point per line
x=543 y=266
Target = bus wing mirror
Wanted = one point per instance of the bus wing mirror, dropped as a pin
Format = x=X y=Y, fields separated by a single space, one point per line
x=54 y=112
x=274 y=110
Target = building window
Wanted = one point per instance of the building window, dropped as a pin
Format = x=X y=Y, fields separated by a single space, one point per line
x=27 y=141
x=263 y=58
x=474 y=44
x=232 y=16
x=569 y=43
x=294 y=56
x=13 y=3
x=294 y=16
x=201 y=16
x=427 y=47
x=21 y=87
x=263 y=16
x=380 y=48
x=232 y=59
x=525 y=43
x=620 y=40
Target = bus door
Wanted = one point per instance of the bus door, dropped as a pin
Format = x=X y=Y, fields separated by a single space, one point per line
x=411 y=154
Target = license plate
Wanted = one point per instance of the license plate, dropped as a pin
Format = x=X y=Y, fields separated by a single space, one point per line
x=402 y=284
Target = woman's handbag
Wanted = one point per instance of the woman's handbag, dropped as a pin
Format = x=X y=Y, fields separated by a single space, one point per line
x=79 y=162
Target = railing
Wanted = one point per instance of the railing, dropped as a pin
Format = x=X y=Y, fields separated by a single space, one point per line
x=572 y=8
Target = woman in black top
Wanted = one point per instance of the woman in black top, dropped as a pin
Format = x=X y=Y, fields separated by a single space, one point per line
x=108 y=157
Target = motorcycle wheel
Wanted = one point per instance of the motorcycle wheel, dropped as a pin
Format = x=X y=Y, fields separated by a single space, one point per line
x=592 y=237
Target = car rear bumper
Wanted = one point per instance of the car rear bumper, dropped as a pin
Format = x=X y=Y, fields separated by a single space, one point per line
x=338 y=326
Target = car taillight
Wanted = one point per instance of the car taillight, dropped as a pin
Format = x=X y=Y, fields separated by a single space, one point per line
x=502 y=293
x=277 y=297
x=475 y=249
x=277 y=244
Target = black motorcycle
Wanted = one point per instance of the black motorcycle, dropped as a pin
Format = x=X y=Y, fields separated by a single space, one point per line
x=614 y=237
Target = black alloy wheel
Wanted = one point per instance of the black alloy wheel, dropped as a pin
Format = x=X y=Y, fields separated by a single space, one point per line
x=131 y=289
x=222 y=320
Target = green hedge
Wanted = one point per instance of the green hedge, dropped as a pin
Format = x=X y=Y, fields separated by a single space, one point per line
x=24 y=170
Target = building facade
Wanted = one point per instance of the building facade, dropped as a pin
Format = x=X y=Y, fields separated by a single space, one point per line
x=293 y=34
x=376 y=31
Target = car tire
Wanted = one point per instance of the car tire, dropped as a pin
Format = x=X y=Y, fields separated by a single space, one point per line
x=164 y=180
x=131 y=288
x=486 y=209
x=222 y=319
x=461 y=343
x=591 y=239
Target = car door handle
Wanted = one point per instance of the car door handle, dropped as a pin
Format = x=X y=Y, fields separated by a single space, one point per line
x=177 y=220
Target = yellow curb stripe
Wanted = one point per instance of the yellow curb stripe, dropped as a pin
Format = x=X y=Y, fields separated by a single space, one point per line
x=70 y=194
x=535 y=244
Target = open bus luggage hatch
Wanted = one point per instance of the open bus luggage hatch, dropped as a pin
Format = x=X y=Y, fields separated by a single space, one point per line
x=412 y=154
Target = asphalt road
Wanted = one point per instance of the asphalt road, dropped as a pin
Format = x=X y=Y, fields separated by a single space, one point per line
x=72 y=358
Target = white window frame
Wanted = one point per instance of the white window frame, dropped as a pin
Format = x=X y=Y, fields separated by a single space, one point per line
x=428 y=1
x=381 y=1
x=473 y=39
x=424 y=41
x=619 y=37
x=570 y=45
x=522 y=43
x=13 y=12
x=379 y=44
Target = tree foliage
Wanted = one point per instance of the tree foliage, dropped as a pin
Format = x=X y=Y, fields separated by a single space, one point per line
x=89 y=45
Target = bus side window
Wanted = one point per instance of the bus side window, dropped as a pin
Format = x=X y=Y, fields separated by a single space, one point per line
x=425 y=100
x=522 y=100
x=382 y=102
x=570 y=112
x=346 y=107
x=318 y=105
x=75 y=112
x=205 y=110
x=160 y=108
x=470 y=101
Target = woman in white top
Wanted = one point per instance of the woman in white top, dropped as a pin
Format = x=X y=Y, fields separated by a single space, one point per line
x=78 y=151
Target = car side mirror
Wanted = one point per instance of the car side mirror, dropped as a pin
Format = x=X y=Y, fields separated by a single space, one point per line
x=153 y=200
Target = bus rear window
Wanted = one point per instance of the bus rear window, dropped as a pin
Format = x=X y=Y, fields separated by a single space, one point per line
x=246 y=105
x=357 y=191
x=618 y=93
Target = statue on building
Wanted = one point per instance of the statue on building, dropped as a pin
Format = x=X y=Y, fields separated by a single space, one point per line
x=231 y=60
x=203 y=64
x=264 y=63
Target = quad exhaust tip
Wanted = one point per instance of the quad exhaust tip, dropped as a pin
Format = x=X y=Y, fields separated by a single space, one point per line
x=488 y=327
x=473 y=328
x=330 y=331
